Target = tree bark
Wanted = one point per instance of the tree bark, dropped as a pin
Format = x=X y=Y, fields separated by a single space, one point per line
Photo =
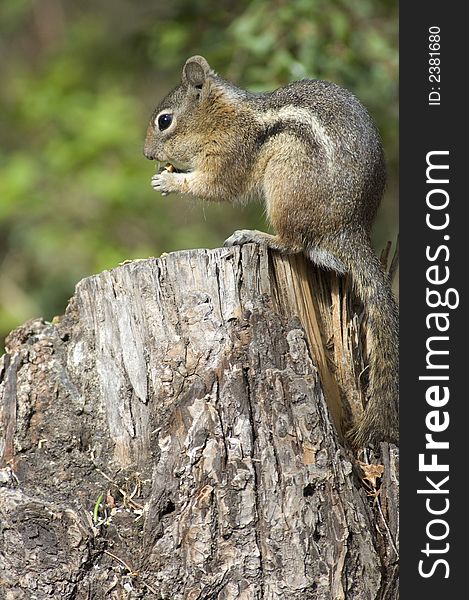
x=178 y=434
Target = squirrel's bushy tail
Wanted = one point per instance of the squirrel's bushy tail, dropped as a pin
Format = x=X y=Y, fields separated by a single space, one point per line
x=380 y=420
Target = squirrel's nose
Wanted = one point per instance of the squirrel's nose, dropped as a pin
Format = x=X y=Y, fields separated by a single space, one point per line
x=148 y=154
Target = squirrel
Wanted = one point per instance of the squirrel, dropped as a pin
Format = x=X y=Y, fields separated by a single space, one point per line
x=312 y=153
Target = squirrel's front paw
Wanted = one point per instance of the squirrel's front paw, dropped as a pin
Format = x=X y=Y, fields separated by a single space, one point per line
x=162 y=182
x=242 y=236
x=165 y=181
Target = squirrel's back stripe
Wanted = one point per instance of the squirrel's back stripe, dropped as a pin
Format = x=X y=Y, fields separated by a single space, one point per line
x=300 y=122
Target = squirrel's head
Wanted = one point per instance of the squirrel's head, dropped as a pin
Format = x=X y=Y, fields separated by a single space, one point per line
x=181 y=120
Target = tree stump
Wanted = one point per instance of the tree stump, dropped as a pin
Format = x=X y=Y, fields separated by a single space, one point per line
x=178 y=434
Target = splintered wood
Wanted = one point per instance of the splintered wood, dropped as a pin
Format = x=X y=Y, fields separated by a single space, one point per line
x=196 y=386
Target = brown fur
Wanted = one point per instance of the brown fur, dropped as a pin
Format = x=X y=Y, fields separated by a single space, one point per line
x=310 y=151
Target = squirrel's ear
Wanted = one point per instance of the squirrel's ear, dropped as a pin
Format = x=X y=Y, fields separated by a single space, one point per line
x=195 y=71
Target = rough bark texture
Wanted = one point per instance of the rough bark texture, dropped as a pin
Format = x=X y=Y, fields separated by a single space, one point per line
x=169 y=437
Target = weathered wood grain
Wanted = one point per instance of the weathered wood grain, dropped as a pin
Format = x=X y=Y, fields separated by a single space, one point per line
x=169 y=437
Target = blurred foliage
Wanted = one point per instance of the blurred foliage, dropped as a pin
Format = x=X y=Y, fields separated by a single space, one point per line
x=79 y=81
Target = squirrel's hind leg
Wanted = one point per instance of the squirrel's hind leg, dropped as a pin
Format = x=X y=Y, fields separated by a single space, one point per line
x=319 y=256
x=252 y=236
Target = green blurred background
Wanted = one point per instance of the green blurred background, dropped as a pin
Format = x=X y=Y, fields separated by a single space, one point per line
x=79 y=80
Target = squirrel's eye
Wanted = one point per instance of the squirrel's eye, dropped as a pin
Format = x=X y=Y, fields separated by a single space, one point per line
x=164 y=121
